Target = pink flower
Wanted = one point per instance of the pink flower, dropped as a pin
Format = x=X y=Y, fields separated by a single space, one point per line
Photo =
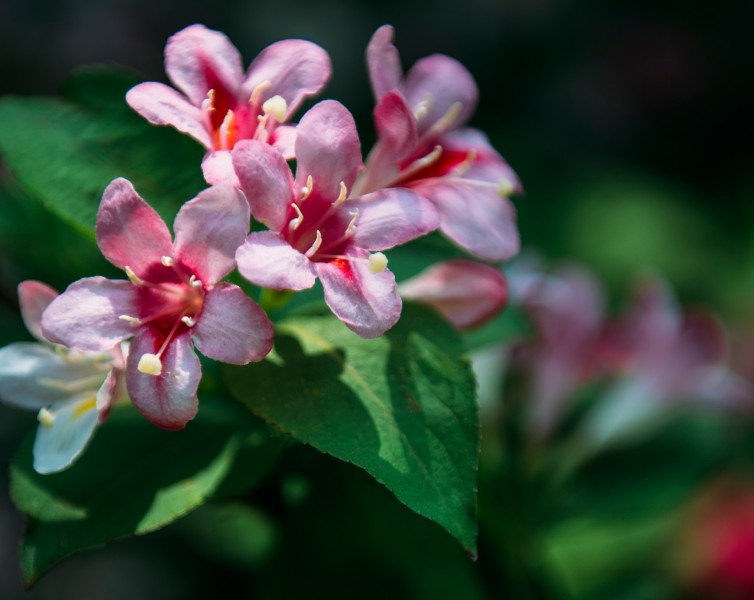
x=221 y=105
x=423 y=146
x=465 y=292
x=71 y=390
x=317 y=230
x=172 y=296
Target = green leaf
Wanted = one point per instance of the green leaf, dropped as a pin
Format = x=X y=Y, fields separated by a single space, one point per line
x=402 y=407
x=133 y=479
x=66 y=153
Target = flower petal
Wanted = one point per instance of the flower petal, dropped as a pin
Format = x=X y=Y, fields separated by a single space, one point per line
x=232 y=328
x=384 y=62
x=34 y=375
x=169 y=399
x=366 y=302
x=327 y=148
x=266 y=180
x=129 y=231
x=295 y=68
x=269 y=261
x=34 y=297
x=391 y=217
x=209 y=229
x=217 y=168
x=396 y=126
x=197 y=59
x=87 y=315
x=465 y=292
x=60 y=443
x=162 y=105
x=283 y=139
x=474 y=217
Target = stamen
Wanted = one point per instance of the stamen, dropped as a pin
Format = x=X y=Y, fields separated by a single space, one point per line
x=306 y=191
x=262 y=87
x=133 y=320
x=342 y=196
x=188 y=321
x=45 y=417
x=460 y=169
x=194 y=282
x=166 y=261
x=84 y=407
x=227 y=130
x=505 y=188
x=377 y=262
x=133 y=278
x=351 y=229
x=446 y=121
x=422 y=108
x=208 y=104
x=277 y=107
x=296 y=222
x=150 y=364
x=315 y=246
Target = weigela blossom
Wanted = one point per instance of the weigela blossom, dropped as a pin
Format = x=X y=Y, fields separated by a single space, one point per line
x=318 y=230
x=73 y=391
x=423 y=146
x=221 y=105
x=171 y=297
x=465 y=292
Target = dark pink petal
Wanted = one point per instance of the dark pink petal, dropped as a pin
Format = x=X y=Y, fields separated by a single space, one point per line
x=465 y=292
x=34 y=297
x=209 y=229
x=269 y=261
x=169 y=399
x=162 y=105
x=327 y=148
x=396 y=125
x=441 y=82
x=198 y=59
x=366 y=302
x=391 y=217
x=217 y=168
x=384 y=62
x=86 y=315
x=130 y=233
x=295 y=68
x=266 y=180
x=476 y=218
x=232 y=328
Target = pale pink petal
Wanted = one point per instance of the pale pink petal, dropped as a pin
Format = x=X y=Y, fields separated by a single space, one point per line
x=232 y=328
x=384 y=62
x=441 y=82
x=169 y=399
x=295 y=69
x=327 y=148
x=87 y=315
x=366 y=302
x=217 y=168
x=209 y=229
x=33 y=298
x=266 y=180
x=396 y=125
x=162 y=105
x=197 y=59
x=269 y=261
x=476 y=218
x=107 y=392
x=391 y=217
x=130 y=233
x=283 y=139
x=465 y=292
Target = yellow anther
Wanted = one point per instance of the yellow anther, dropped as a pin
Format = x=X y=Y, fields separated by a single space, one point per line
x=377 y=262
x=505 y=188
x=276 y=107
x=296 y=222
x=194 y=282
x=258 y=91
x=208 y=104
x=351 y=229
x=150 y=364
x=188 y=321
x=133 y=320
x=343 y=194
x=46 y=418
x=444 y=123
x=133 y=278
x=306 y=191
x=315 y=246
x=166 y=261
x=422 y=108
x=84 y=407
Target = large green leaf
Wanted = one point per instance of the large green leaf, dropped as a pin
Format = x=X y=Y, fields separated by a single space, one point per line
x=133 y=479
x=401 y=406
x=65 y=153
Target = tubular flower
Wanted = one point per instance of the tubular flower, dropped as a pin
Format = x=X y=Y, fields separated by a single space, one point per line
x=422 y=145
x=317 y=230
x=465 y=292
x=73 y=391
x=221 y=105
x=172 y=297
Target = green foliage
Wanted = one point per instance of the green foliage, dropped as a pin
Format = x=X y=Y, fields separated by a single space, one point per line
x=402 y=407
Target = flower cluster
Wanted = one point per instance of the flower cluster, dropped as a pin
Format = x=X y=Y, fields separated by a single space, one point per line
x=331 y=220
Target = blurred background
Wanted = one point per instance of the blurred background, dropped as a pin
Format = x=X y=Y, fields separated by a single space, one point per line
x=625 y=120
